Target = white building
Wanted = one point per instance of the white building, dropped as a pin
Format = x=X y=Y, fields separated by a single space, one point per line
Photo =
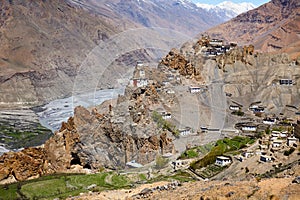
x=222 y=161
x=139 y=82
x=180 y=164
x=234 y=107
x=139 y=64
x=269 y=121
x=166 y=115
x=283 y=135
x=195 y=89
x=265 y=158
x=216 y=42
x=257 y=109
x=169 y=91
x=247 y=154
x=277 y=143
x=142 y=73
x=292 y=140
x=286 y=82
x=249 y=128
x=133 y=164
x=185 y=132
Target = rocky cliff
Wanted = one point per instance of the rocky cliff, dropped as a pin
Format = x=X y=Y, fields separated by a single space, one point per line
x=123 y=132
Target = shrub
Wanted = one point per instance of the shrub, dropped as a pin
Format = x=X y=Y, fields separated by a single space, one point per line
x=165 y=125
x=289 y=152
x=191 y=153
x=238 y=113
x=160 y=162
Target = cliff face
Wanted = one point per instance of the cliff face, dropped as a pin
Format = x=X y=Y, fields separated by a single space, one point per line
x=271 y=27
x=122 y=132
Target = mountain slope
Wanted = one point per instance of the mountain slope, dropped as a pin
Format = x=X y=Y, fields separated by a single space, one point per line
x=227 y=9
x=183 y=16
x=273 y=26
x=43 y=44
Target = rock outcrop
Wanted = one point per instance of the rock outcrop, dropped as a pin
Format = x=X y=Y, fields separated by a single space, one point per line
x=176 y=60
x=124 y=132
x=30 y=162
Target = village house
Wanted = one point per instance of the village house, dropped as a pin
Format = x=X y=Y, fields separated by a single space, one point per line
x=257 y=109
x=133 y=164
x=142 y=73
x=260 y=151
x=195 y=89
x=283 y=134
x=273 y=138
x=249 y=127
x=277 y=143
x=210 y=52
x=265 y=158
x=247 y=154
x=204 y=128
x=139 y=64
x=222 y=161
x=170 y=91
x=216 y=42
x=184 y=132
x=166 y=115
x=170 y=76
x=275 y=133
x=234 y=107
x=166 y=83
x=286 y=82
x=180 y=164
x=139 y=82
x=292 y=140
x=269 y=121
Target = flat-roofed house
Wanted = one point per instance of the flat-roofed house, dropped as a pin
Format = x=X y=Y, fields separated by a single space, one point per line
x=234 y=107
x=292 y=140
x=184 y=132
x=195 y=89
x=265 y=158
x=222 y=161
x=249 y=127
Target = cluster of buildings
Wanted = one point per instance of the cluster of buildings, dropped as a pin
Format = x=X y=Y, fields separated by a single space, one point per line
x=276 y=142
x=215 y=47
x=139 y=79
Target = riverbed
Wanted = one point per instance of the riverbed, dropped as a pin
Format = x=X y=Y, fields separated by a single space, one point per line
x=57 y=111
x=51 y=115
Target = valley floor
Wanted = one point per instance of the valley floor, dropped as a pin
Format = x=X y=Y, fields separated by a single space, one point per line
x=281 y=188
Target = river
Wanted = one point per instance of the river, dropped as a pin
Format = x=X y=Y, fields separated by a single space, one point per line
x=57 y=111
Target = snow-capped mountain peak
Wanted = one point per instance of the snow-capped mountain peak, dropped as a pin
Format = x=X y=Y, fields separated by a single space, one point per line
x=227 y=9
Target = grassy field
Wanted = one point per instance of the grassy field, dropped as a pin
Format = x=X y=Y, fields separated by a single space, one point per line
x=196 y=151
x=222 y=146
x=17 y=137
x=62 y=186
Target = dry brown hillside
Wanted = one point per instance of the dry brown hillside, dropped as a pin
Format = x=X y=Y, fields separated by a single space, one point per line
x=274 y=26
x=43 y=44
